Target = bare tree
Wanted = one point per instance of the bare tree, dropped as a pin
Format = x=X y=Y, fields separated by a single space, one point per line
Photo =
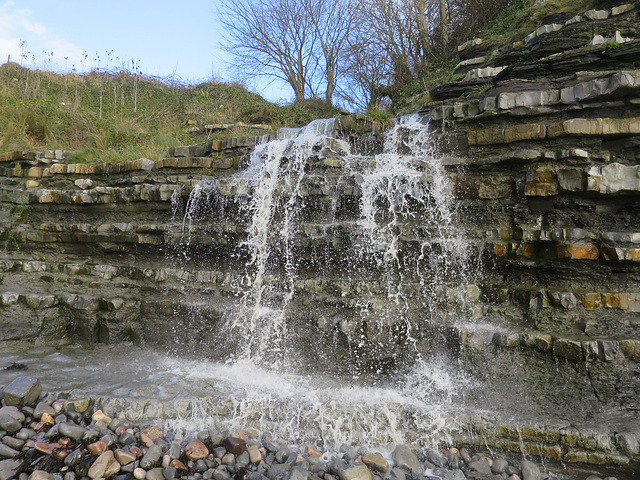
x=299 y=41
x=334 y=21
x=272 y=37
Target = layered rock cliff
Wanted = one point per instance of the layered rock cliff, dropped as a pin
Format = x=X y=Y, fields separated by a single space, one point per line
x=541 y=140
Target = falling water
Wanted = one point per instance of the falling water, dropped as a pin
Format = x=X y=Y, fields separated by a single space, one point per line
x=406 y=231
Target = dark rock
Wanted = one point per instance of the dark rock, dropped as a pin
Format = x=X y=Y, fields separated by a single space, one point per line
x=71 y=430
x=74 y=457
x=297 y=473
x=436 y=458
x=234 y=445
x=242 y=460
x=200 y=466
x=282 y=455
x=22 y=391
x=43 y=407
x=127 y=438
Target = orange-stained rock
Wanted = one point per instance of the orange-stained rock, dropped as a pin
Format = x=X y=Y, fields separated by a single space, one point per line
x=585 y=252
x=530 y=250
x=591 y=301
x=46 y=418
x=630 y=348
x=633 y=255
x=196 y=450
x=501 y=250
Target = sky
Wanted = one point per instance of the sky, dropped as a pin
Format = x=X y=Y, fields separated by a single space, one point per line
x=165 y=38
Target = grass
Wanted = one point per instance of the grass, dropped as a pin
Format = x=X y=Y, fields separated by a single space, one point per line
x=520 y=18
x=121 y=116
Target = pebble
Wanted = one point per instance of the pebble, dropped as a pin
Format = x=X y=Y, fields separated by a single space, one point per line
x=406 y=459
x=7 y=452
x=234 y=445
x=139 y=473
x=23 y=390
x=151 y=457
x=108 y=448
x=76 y=432
x=40 y=475
x=196 y=450
x=105 y=466
x=9 y=424
x=376 y=462
x=124 y=457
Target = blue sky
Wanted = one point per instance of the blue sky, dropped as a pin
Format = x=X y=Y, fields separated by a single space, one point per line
x=163 y=38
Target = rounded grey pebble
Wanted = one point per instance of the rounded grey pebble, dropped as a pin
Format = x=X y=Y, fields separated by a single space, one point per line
x=26 y=434
x=169 y=473
x=13 y=442
x=499 y=465
x=155 y=474
x=200 y=466
x=221 y=474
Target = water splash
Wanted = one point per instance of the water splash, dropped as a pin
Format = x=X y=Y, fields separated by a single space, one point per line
x=274 y=178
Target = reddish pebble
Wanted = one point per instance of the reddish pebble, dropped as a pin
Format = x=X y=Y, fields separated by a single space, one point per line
x=97 y=448
x=60 y=454
x=46 y=447
x=120 y=430
x=234 y=445
x=135 y=451
x=150 y=435
x=177 y=464
x=196 y=450
x=64 y=441
x=58 y=404
x=38 y=427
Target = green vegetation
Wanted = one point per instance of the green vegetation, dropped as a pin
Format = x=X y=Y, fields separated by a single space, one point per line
x=610 y=45
x=121 y=116
x=519 y=18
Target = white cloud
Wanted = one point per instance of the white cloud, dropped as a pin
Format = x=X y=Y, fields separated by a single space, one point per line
x=31 y=43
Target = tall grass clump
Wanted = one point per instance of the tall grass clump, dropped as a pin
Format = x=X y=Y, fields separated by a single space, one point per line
x=117 y=116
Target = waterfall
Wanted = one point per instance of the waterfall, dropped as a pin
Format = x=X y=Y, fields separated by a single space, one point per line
x=407 y=254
